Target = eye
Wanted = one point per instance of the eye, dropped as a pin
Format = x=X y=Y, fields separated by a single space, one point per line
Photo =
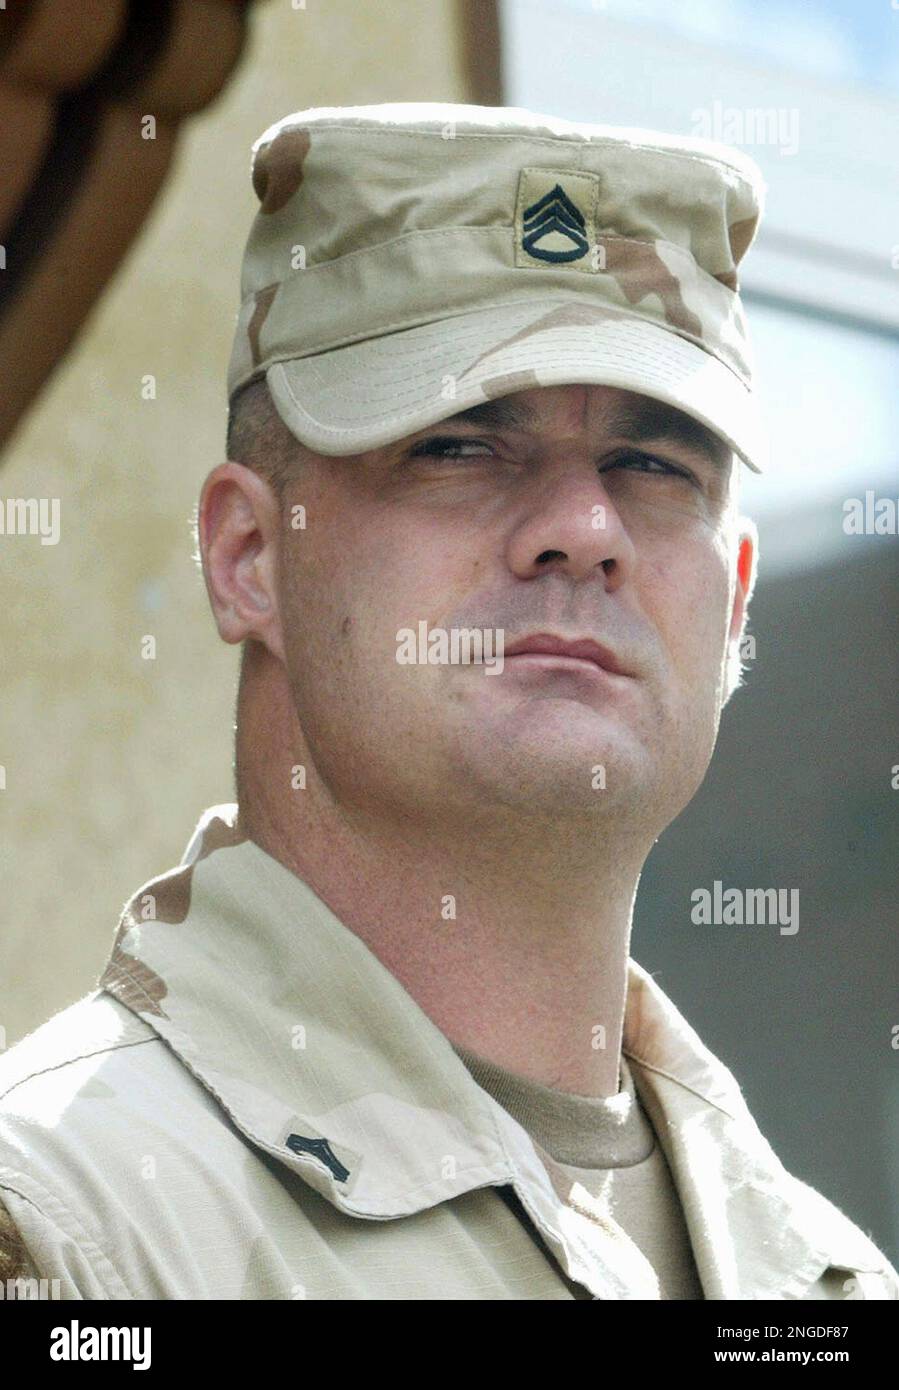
x=644 y=461
x=445 y=446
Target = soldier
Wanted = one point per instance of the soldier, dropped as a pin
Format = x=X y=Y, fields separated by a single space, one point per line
x=379 y=1034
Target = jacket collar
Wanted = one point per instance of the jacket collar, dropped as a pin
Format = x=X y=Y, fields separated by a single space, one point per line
x=324 y=1061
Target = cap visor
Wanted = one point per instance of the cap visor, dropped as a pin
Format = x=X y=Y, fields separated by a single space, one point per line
x=372 y=393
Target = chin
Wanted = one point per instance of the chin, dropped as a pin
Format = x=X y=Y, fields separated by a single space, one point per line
x=564 y=777
x=567 y=729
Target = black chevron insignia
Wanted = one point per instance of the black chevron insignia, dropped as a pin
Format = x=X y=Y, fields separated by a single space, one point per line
x=319 y=1148
x=554 y=212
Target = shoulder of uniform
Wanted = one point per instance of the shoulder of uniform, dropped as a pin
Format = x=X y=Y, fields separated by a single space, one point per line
x=93 y=1024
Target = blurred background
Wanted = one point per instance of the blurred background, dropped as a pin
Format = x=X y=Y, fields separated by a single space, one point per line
x=126 y=133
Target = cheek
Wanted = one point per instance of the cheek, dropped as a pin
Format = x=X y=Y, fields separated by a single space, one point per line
x=353 y=586
x=691 y=612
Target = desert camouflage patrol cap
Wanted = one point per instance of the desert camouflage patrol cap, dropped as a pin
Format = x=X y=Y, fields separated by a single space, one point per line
x=410 y=260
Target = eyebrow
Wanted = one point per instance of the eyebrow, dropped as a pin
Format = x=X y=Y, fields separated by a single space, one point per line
x=650 y=420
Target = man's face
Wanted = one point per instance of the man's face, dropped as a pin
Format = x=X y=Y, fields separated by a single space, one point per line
x=558 y=510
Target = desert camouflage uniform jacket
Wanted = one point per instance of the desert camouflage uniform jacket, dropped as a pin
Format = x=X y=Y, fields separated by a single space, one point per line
x=250 y=1106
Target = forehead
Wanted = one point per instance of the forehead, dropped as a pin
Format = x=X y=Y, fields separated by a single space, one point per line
x=557 y=411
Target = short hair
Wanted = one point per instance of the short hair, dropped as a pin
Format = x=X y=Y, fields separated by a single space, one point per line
x=258 y=438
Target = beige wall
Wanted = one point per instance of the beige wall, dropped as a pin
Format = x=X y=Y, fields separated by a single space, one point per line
x=109 y=758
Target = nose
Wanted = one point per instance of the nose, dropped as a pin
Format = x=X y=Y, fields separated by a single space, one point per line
x=570 y=524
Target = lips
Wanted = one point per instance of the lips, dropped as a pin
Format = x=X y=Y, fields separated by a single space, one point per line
x=583 y=647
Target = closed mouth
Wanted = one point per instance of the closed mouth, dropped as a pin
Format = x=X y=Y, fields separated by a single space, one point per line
x=581 y=648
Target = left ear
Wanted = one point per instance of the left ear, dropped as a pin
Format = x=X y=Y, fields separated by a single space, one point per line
x=747 y=568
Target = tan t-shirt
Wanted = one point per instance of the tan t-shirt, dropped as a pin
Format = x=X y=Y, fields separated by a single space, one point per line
x=609 y=1146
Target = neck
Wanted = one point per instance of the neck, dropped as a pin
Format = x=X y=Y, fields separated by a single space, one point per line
x=513 y=937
